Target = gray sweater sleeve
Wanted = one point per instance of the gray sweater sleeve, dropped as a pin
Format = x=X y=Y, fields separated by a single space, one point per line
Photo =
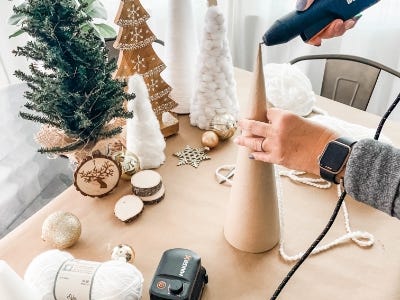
x=373 y=175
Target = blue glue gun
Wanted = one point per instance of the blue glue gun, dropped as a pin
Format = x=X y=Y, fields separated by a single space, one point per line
x=311 y=21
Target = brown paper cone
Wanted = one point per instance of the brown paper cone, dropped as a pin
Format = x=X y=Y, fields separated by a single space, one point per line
x=212 y=3
x=252 y=220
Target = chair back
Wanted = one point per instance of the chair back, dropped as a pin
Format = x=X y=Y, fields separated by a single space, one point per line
x=349 y=79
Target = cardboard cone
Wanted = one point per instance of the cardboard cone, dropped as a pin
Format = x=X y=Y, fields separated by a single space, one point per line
x=252 y=219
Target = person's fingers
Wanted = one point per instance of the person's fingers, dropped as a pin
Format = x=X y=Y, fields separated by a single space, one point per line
x=335 y=28
x=302 y=5
x=261 y=156
x=264 y=145
x=254 y=143
x=349 y=24
x=255 y=127
x=315 y=41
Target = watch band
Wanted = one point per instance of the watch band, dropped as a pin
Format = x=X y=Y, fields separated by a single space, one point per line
x=330 y=175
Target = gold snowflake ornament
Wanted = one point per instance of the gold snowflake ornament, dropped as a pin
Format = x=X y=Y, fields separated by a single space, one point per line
x=192 y=156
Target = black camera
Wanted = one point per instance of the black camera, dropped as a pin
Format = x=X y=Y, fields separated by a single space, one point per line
x=179 y=275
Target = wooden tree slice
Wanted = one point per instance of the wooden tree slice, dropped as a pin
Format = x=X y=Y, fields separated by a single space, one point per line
x=146 y=183
x=157 y=197
x=128 y=208
x=97 y=175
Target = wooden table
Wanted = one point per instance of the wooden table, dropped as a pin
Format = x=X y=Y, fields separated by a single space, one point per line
x=192 y=215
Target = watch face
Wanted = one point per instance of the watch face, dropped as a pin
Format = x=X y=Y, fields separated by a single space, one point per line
x=334 y=156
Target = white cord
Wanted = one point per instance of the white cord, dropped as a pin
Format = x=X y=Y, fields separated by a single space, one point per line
x=225 y=178
x=361 y=238
x=295 y=176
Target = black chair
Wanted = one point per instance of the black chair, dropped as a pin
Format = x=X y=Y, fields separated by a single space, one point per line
x=349 y=79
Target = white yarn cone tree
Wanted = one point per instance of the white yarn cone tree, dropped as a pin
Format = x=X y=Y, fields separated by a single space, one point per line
x=143 y=134
x=215 y=93
x=181 y=49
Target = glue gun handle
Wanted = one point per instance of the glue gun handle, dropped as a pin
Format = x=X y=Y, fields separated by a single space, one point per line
x=311 y=21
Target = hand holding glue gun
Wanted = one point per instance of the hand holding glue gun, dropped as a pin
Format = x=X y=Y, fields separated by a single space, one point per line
x=315 y=20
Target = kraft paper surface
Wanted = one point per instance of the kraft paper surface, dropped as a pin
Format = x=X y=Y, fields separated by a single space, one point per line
x=192 y=216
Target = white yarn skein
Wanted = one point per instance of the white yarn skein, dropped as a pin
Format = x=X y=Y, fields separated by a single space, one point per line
x=43 y=269
x=113 y=280
x=288 y=88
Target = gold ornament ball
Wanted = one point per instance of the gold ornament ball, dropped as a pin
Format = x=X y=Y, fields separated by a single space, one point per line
x=61 y=229
x=129 y=164
x=209 y=139
x=223 y=125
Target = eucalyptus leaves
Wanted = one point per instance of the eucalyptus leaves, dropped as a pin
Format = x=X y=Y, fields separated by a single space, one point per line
x=92 y=8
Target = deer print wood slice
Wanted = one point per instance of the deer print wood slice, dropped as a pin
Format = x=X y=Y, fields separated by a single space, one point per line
x=97 y=175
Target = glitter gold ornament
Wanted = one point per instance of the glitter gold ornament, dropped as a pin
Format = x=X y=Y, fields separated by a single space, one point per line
x=209 y=139
x=61 y=229
x=223 y=125
x=129 y=164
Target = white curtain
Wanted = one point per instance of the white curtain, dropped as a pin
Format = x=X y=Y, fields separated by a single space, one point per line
x=376 y=36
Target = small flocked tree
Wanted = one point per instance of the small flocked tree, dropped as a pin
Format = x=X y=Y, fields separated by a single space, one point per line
x=137 y=56
x=143 y=135
x=70 y=80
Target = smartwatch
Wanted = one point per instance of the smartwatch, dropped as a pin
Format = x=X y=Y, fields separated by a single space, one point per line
x=334 y=158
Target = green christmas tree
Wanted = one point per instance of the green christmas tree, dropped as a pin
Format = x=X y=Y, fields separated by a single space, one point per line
x=70 y=81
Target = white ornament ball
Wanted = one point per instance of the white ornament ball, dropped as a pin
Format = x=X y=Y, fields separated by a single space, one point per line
x=61 y=229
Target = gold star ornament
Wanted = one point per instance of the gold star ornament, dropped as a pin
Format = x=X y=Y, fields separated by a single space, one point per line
x=192 y=156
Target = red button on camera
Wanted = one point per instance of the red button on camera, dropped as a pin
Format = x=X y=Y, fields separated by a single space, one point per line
x=161 y=284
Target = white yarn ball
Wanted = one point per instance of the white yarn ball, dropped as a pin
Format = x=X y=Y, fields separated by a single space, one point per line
x=288 y=88
x=113 y=280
